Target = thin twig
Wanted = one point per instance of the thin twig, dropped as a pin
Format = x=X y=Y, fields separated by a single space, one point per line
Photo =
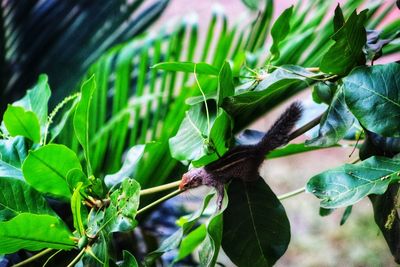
x=33 y=258
x=305 y=127
x=77 y=258
x=158 y=201
x=159 y=188
x=292 y=193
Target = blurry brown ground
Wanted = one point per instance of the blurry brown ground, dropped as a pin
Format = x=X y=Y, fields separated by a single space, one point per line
x=316 y=241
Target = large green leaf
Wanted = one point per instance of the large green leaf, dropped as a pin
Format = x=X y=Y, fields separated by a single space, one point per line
x=18 y=197
x=46 y=169
x=280 y=30
x=36 y=99
x=82 y=118
x=225 y=83
x=256 y=229
x=336 y=121
x=347 y=51
x=18 y=121
x=348 y=184
x=191 y=242
x=372 y=95
x=13 y=151
x=34 y=232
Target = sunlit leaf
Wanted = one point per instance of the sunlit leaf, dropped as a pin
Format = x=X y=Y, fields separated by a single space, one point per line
x=21 y=122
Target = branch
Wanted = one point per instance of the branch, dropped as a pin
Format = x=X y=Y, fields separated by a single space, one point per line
x=158 y=201
x=305 y=128
x=34 y=257
x=76 y=259
x=292 y=193
x=157 y=189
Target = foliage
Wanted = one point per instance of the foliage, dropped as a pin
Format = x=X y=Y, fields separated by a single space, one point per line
x=182 y=111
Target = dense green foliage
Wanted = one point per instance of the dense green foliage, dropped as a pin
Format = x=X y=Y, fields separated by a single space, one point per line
x=104 y=150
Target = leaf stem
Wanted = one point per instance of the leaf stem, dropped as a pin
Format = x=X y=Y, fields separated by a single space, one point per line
x=34 y=257
x=292 y=193
x=158 y=201
x=76 y=259
x=159 y=188
x=305 y=127
x=204 y=98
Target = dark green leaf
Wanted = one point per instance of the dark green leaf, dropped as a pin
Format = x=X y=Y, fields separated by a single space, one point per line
x=387 y=218
x=347 y=52
x=81 y=118
x=323 y=92
x=129 y=260
x=21 y=122
x=46 y=169
x=346 y=214
x=18 y=197
x=256 y=228
x=336 y=121
x=189 y=67
x=348 y=184
x=36 y=100
x=325 y=212
x=338 y=19
x=225 y=83
x=372 y=95
x=280 y=30
x=34 y=232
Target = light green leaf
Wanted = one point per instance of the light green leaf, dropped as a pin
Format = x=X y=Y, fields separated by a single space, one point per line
x=76 y=176
x=280 y=30
x=372 y=95
x=189 y=67
x=76 y=205
x=46 y=169
x=21 y=122
x=348 y=184
x=18 y=197
x=128 y=260
x=81 y=119
x=34 y=232
x=256 y=229
x=36 y=100
x=335 y=123
x=225 y=83
x=191 y=242
x=347 y=51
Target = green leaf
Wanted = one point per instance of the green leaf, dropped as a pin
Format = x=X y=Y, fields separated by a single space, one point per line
x=335 y=123
x=124 y=202
x=252 y=4
x=21 y=122
x=346 y=214
x=191 y=242
x=348 y=184
x=338 y=19
x=128 y=260
x=76 y=205
x=190 y=142
x=347 y=51
x=188 y=67
x=8 y=170
x=256 y=229
x=211 y=245
x=34 y=232
x=380 y=86
x=280 y=30
x=13 y=151
x=225 y=83
x=76 y=176
x=173 y=241
x=81 y=119
x=46 y=169
x=18 y=197
x=129 y=167
x=323 y=92
x=36 y=100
